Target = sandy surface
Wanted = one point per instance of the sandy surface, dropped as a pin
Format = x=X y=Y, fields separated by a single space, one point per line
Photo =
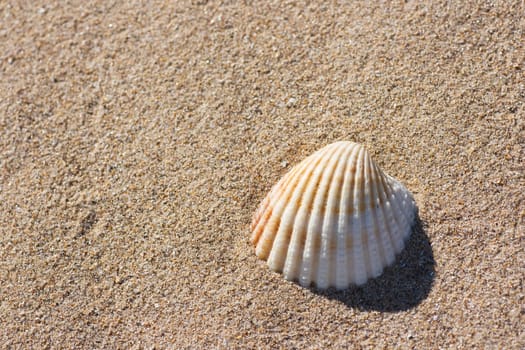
x=137 y=140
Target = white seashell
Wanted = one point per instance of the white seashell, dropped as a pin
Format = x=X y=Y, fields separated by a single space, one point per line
x=335 y=219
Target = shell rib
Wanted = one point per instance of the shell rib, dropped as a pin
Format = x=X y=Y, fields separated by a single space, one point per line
x=334 y=220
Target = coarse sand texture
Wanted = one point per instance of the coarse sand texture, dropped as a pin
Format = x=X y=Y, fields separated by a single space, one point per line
x=138 y=139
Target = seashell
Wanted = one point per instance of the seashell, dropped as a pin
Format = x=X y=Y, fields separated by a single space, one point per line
x=335 y=219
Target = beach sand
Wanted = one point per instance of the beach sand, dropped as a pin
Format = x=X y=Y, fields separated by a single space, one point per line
x=138 y=138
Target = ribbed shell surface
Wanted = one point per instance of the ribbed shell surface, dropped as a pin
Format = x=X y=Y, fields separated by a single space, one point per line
x=335 y=219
